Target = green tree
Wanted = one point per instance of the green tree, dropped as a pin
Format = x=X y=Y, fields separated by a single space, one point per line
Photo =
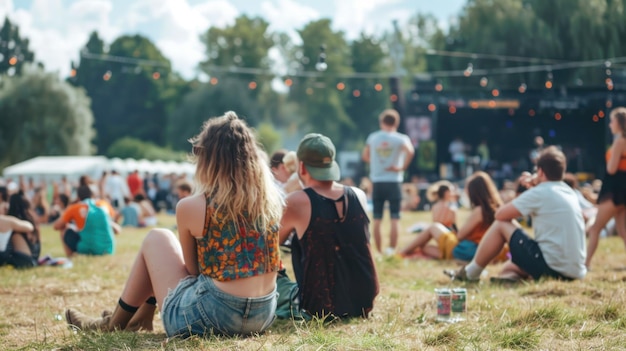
x=128 y=147
x=322 y=104
x=367 y=57
x=14 y=51
x=44 y=116
x=132 y=87
x=545 y=32
x=208 y=101
x=243 y=47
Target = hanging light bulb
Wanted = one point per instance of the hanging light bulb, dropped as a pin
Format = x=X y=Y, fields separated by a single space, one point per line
x=549 y=77
x=321 y=64
x=469 y=70
x=522 y=88
x=484 y=81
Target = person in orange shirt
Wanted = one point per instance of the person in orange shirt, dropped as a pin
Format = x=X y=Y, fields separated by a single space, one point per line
x=79 y=236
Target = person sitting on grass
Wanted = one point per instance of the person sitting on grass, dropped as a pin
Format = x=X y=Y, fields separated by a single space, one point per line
x=147 y=211
x=87 y=226
x=485 y=200
x=331 y=253
x=558 y=248
x=442 y=194
x=20 y=242
x=219 y=275
x=130 y=214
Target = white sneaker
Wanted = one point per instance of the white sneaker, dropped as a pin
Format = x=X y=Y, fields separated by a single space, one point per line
x=390 y=251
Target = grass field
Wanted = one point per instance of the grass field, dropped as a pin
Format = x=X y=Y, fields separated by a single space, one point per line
x=547 y=315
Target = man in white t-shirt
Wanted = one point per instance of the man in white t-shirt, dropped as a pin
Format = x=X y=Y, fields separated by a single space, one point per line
x=116 y=189
x=558 y=248
x=389 y=154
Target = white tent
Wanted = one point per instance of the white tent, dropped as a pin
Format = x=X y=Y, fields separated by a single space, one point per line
x=55 y=167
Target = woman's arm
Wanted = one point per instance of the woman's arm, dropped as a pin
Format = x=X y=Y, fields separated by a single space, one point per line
x=475 y=219
x=20 y=226
x=617 y=149
x=184 y=216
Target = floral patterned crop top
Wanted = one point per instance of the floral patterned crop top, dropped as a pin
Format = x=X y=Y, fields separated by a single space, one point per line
x=228 y=252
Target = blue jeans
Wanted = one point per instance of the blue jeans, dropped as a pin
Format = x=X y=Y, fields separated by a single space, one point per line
x=197 y=307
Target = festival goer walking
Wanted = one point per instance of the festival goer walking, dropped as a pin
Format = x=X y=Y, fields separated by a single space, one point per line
x=612 y=196
x=389 y=154
x=219 y=275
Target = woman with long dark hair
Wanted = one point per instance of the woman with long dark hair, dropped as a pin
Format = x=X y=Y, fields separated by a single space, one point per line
x=24 y=246
x=485 y=200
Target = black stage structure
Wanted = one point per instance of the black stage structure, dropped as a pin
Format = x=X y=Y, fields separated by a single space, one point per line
x=575 y=119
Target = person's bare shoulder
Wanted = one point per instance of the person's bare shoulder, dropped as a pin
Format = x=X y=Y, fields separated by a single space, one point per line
x=296 y=199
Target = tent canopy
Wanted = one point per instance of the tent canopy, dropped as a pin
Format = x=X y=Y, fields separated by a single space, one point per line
x=73 y=167
x=55 y=167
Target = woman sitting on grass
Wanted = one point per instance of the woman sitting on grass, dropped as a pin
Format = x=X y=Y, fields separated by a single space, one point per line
x=484 y=199
x=20 y=243
x=442 y=193
x=221 y=276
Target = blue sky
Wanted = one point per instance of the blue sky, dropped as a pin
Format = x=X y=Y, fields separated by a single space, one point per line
x=59 y=28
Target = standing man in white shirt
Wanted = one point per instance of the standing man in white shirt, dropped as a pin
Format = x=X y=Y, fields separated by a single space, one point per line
x=116 y=189
x=389 y=154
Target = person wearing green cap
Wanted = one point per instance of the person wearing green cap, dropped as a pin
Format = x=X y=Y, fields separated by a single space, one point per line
x=330 y=252
x=389 y=154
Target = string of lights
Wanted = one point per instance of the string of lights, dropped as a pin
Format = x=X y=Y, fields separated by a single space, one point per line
x=470 y=70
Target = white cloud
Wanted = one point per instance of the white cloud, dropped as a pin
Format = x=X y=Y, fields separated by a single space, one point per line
x=180 y=26
x=369 y=16
x=57 y=29
x=288 y=16
x=57 y=33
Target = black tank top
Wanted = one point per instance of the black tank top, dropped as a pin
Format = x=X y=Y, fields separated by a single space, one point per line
x=332 y=261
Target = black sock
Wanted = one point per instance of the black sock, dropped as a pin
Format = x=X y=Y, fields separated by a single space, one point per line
x=151 y=300
x=126 y=307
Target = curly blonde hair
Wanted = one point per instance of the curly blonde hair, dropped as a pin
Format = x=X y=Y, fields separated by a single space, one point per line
x=232 y=170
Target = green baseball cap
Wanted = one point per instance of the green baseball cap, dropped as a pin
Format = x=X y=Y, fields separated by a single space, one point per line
x=317 y=153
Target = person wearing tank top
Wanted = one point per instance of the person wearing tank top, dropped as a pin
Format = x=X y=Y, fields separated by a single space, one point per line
x=331 y=254
x=219 y=275
x=612 y=196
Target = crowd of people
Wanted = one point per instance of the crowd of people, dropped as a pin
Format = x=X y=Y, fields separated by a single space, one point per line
x=219 y=274
x=87 y=213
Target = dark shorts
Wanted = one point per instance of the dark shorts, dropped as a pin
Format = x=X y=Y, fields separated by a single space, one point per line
x=527 y=255
x=383 y=192
x=71 y=239
x=19 y=259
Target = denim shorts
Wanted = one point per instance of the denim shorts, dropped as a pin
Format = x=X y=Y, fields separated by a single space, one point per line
x=197 y=307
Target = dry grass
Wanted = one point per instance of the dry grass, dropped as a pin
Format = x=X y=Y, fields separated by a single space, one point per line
x=548 y=315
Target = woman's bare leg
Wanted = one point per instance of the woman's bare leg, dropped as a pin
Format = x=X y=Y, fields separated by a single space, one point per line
x=606 y=210
x=431 y=232
x=158 y=268
x=620 y=223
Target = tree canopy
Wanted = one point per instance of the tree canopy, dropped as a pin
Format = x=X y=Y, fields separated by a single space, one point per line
x=42 y=115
